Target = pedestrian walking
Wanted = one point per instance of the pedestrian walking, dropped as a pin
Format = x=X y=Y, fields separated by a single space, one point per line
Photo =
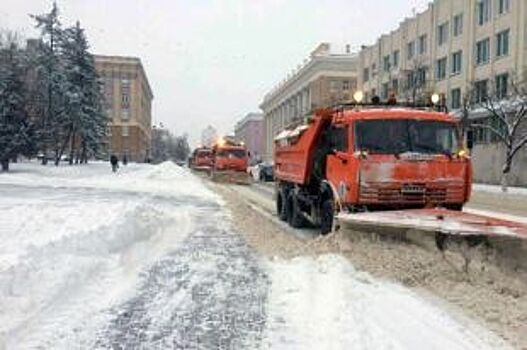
x=115 y=162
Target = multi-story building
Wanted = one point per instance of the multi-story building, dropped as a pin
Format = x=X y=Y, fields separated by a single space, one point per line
x=454 y=47
x=326 y=78
x=465 y=50
x=128 y=104
x=250 y=130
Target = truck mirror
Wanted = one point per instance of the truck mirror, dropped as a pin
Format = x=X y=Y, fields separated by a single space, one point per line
x=470 y=139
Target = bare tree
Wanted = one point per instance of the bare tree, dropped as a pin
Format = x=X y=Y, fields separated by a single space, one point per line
x=507 y=121
x=417 y=84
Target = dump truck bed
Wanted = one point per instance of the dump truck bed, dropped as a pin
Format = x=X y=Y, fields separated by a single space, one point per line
x=293 y=160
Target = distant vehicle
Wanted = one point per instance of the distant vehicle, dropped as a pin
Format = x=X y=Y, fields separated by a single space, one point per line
x=230 y=160
x=181 y=163
x=65 y=158
x=201 y=159
x=367 y=158
x=262 y=172
x=40 y=156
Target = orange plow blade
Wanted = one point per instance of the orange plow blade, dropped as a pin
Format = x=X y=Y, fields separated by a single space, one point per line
x=437 y=220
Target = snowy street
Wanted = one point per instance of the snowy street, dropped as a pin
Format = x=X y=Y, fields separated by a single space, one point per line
x=151 y=257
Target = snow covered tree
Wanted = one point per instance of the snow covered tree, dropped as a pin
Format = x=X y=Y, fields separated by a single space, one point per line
x=50 y=81
x=85 y=120
x=507 y=121
x=14 y=126
x=181 y=148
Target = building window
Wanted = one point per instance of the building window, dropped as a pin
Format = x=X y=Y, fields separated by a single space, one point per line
x=458 y=25
x=396 y=58
x=483 y=11
x=481 y=91
x=125 y=93
x=502 y=85
x=410 y=80
x=481 y=134
x=346 y=85
x=395 y=86
x=125 y=114
x=366 y=74
x=108 y=92
x=503 y=6
x=482 y=51
x=422 y=44
x=455 y=98
x=384 y=92
x=124 y=131
x=457 y=62
x=108 y=130
x=386 y=63
x=502 y=43
x=374 y=70
x=334 y=86
x=410 y=50
x=421 y=77
x=441 y=68
x=442 y=34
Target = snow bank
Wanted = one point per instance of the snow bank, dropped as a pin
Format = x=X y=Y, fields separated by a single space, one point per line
x=165 y=179
x=75 y=239
x=324 y=303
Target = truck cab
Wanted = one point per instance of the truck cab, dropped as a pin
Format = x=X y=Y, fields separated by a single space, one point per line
x=368 y=159
x=201 y=158
x=398 y=158
x=231 y=157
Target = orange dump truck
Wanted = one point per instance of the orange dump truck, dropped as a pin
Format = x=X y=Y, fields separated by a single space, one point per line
x=201 y=159
x=230 y=161
x=369 y=159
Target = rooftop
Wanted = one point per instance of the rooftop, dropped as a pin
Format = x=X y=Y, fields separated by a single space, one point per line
x=322 y=53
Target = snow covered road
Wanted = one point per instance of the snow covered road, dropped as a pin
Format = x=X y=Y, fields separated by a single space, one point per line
x=149 y=258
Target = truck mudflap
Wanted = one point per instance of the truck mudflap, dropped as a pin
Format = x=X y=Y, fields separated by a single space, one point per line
x=231 y=176
x=436 y=220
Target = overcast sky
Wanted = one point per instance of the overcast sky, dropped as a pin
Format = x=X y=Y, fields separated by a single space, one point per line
x=212 y=61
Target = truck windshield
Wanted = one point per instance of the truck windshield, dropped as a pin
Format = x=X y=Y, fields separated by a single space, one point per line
x=407 y=135
x=231 y=153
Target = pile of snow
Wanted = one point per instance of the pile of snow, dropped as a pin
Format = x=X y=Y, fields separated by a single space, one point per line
x=75 y=239
x=324 y=303
x=164 y=179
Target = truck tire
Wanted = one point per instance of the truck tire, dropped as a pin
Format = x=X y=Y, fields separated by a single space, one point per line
x=327 y=213
x=455 y=207
x=281 y=209
x=294 y=213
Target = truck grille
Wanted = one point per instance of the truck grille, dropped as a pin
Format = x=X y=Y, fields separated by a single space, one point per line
x=411 y=193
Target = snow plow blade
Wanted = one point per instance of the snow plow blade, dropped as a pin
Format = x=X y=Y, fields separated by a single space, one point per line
x=437 y=220
x=204 y=169
x=231 y=176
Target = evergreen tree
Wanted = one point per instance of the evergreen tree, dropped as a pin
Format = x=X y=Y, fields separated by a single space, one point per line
x=14 y=128
x=50 y=81
x=86 y=120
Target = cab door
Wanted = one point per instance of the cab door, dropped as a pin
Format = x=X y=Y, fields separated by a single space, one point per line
x=340 y=160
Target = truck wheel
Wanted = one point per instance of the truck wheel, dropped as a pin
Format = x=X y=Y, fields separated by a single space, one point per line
x=280 y=206
x=295 y=217
x=456 y=207
x=327 y=212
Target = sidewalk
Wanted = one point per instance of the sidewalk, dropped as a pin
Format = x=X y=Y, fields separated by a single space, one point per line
x=490 y=198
